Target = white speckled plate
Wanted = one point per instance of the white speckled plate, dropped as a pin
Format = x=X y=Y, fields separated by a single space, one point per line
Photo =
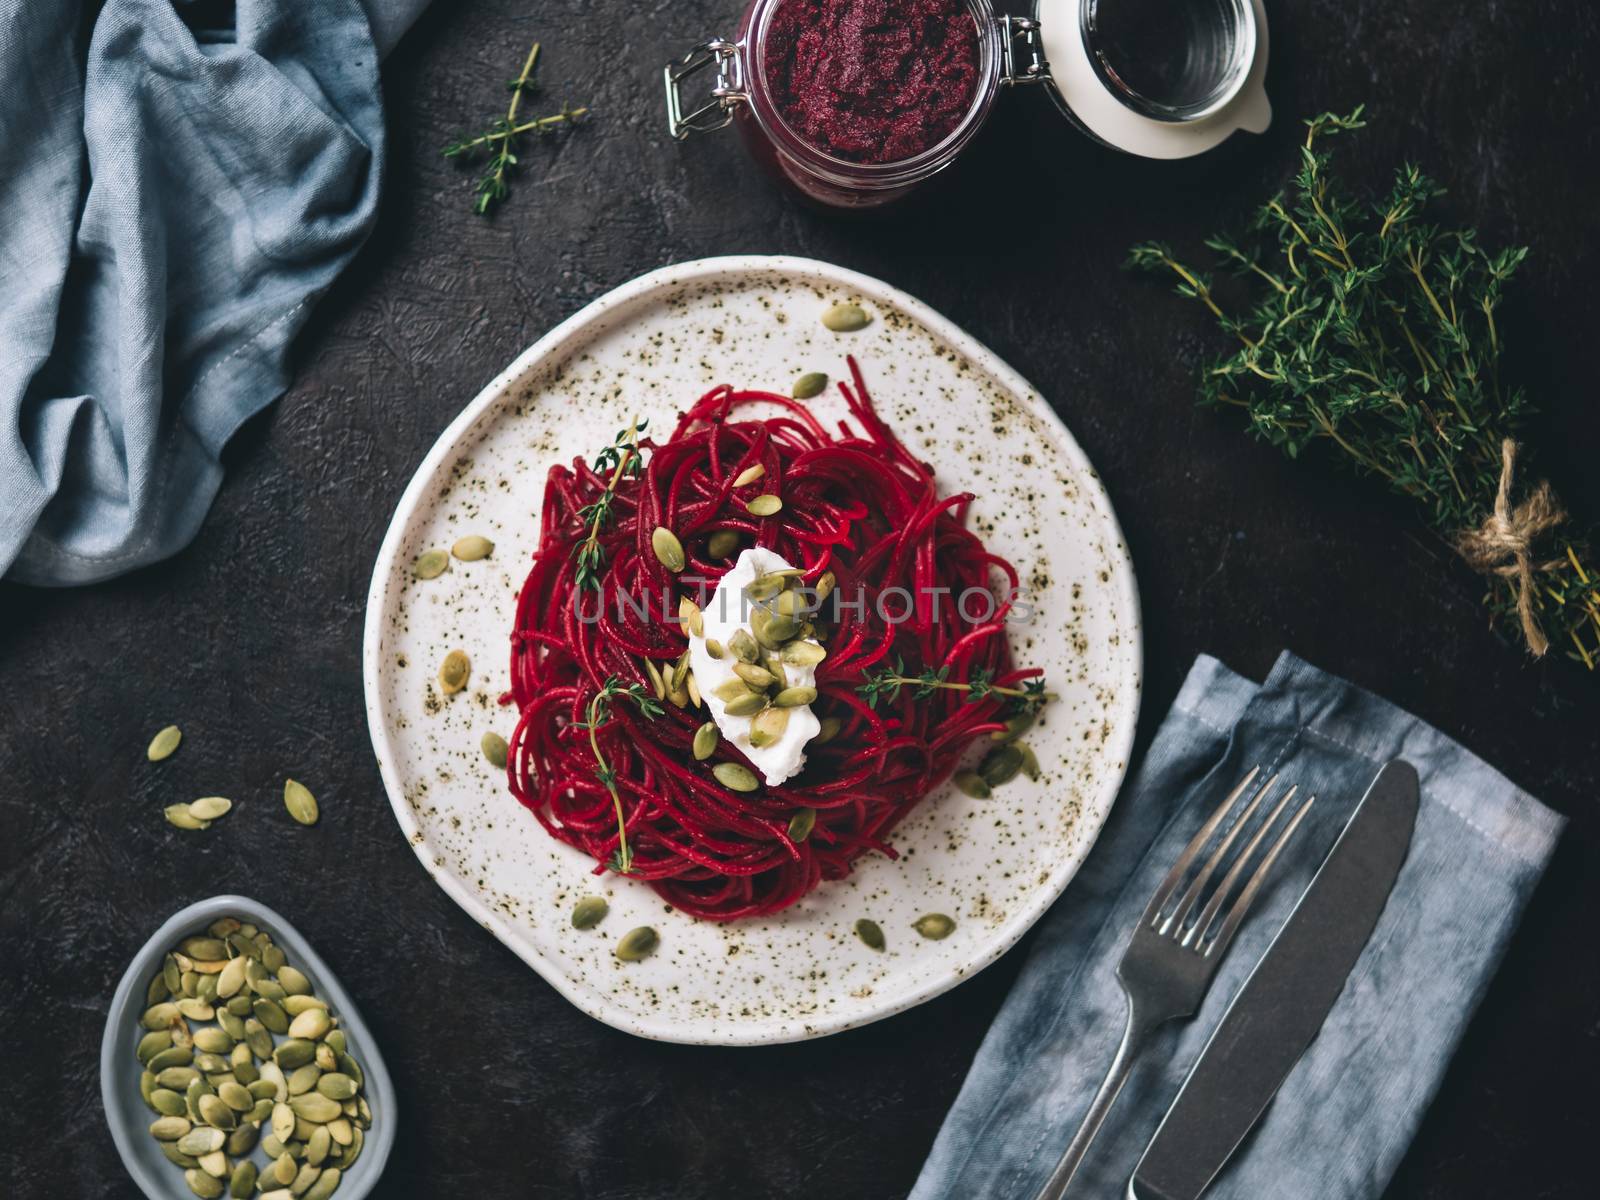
x=654 y=345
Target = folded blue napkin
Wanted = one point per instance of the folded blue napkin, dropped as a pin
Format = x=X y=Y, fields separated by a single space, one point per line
x=174 y=195
x=1343 y=1118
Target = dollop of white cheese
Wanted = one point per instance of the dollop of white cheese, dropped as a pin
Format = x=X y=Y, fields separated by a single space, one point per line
x=725 y=613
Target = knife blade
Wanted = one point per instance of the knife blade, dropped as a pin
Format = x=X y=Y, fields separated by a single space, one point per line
x=1283 y=1004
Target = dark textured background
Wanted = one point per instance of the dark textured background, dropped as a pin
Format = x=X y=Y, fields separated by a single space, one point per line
x=250 y=639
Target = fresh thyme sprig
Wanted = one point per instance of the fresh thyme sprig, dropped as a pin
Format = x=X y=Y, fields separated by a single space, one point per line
x=622 y=459
x=1373 y=330
x=598 y=713
x=499 y=141
x=885 y=685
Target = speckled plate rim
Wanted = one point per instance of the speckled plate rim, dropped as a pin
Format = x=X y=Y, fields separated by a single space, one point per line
x=559 y=341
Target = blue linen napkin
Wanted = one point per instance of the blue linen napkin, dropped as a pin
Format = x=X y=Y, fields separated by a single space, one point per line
x=1343 y=1118
x=174 y=195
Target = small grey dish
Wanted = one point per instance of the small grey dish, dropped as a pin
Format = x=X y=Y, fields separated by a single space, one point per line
x=128 y=1115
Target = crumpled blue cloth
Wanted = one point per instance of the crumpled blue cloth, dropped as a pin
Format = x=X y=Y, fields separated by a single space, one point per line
x=179 y=181
x=1347 y=1112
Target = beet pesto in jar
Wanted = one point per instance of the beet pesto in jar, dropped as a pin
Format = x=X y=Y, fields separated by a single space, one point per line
x=872 y=81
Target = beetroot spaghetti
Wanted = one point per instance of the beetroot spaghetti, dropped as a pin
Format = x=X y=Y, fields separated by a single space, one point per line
x=604 y=752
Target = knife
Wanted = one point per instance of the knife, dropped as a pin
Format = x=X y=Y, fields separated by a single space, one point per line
x=1283 y=1004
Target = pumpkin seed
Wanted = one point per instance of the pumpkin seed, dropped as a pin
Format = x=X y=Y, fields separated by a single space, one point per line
x=768 y=726
x=934 y=926
x=297 y=798
x=168 y=1103
x=764 y=587
x=272 y=958
x=152 y=1044
x=714 y=648
x=353 y=1151
x=690 y=616
x=209 y=808
x=342 y=1129
x=430 y=564
x=735 y=776
x=495 y=750
x=282 y=1121
x=231 y=978
x=323 y=1056
x=272 y=1073
x=271 y=1015
x=829 y=731
x=1030 y=761
x=747 y=705
x=304 y=1079
x=658 y=684
x=731 y=689
x=668 y=549
x=202 y=1184
x=589 y=911
x=255 y=1029
x=296 y=1052
x=202 y=1140
x=262 y=1089
x=680 y=674
x=310 y=1025
x=845 y=318
x=215 y=1164
x=284 y=1168
x=213 y=1040
x=314 y=1106
x=723 y=543
x=180 y=816
x=803 y=654
x=1001 y=766
x=973 y=784
x=757 y=677
x=793 y=697
x=692 y=686
x=243 y=1063
x=347 y=1066
x=637 y=943
x=1015 y=727
x=177 y=1157
x=324 y=1185
x=808 y=385
x=801 y=824
x=295 y=1005
x=454 y=672
x=825 y=586
x=164 y=743
x=243 y=1181
x=336 y=1086
x=772 y=630
x=216 y=1113
x=235 y=1097
x=336 y=1039
x=870 y=934
x=177 y=1078
x=172 y=974
x=170 y=1127
x=243 y=1139
x=789 y=604
x=172 y=1056
x=705 y=741
x=294 y=981
x=231 y=1022
x=743 y=647
x=765 y=505
x=472 y=547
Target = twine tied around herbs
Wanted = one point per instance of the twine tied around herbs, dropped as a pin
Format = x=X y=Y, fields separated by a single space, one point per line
x=1503 y=544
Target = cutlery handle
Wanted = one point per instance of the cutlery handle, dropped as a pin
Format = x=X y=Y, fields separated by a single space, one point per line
x=1134 y=1038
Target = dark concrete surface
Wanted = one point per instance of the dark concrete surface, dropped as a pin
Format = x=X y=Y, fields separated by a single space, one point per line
x=250 y=639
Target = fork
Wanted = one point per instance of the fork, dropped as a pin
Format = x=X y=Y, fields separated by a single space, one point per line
x=1170 y=961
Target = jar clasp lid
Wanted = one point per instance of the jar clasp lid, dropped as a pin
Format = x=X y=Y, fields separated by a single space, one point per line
x=728 y=93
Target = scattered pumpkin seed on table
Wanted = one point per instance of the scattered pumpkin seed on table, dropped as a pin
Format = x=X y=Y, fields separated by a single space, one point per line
x=845 y=318
x=764 y=505
x=749 y=475
x=214 y=1105
x=164 y=743
x=495 y=749
x=870 y=934
x=973 y=784
x=808 y=385
x=934 y=926
x=589 y=911
x=668 y=549
x=1001 y=766
x=472 y=547
x=302 y=805
x=637 y=944
x=454 y=672
x=430 y=564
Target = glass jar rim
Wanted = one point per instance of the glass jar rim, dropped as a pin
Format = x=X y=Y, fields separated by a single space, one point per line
x=870 y=176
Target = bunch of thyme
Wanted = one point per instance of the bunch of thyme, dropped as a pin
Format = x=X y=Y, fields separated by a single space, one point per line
x=622 y=459
x=885 y=685
x=597 y=714
x=1373 y=330
x=499 y=141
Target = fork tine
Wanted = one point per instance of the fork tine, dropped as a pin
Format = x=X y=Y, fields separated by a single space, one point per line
x=1196 y=843
x=1196 y=932
x=1174 y=923
x=1247 y=896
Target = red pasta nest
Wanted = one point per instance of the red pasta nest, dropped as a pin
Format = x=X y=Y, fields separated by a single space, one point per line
x=857 y=504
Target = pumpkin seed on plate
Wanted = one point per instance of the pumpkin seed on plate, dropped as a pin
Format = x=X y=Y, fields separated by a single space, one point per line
x=743 y=647
x=304 y=1079
x=658 y=683
x=668 y=549
x=337 y=1086
x=589 y=911
x=637 y=943
x=714 y=648
x=314 y=1106
x=735 y=776
x=430 y=564
x=170 y=1127
x=235 y=1097
x=829 y=731
x=808 y=385
x=202 y=1184
x=325 y=1184
x=472 y=547
x=705 y=741
x=243 y=1139
x=1030 y=761
x=242 y=1183
x=216 y=1113
x=202 y=1140
x=747 y=705
x=297 y=798
x=296 y=1052
x=212 y=1040
x=1015 y=727
x=803 y=654
x=764 y=505
x=768 y=726
x=495 y=749
x=756 y=677
x=215 y=1164
x=293 y=981
x=164 y=743
x=1001 y=766
x=934 y=926
x=454 y=672
x=845 y=318
x=793 y=697
x=749 y=475
x=723 y=543
x=295 y=1005
x=973 y=784
x=177 y=1157
x=310 y=1025
x=869 y=933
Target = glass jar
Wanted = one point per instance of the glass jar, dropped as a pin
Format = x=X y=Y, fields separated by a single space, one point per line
x=1159 y=78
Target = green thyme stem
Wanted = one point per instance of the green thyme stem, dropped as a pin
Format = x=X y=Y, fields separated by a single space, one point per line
x=552 y=120
x=588 y=553
x=899 y=681
x=608 y=777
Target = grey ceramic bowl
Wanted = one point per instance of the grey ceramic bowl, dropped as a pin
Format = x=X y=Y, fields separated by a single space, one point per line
x=127 y=1113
